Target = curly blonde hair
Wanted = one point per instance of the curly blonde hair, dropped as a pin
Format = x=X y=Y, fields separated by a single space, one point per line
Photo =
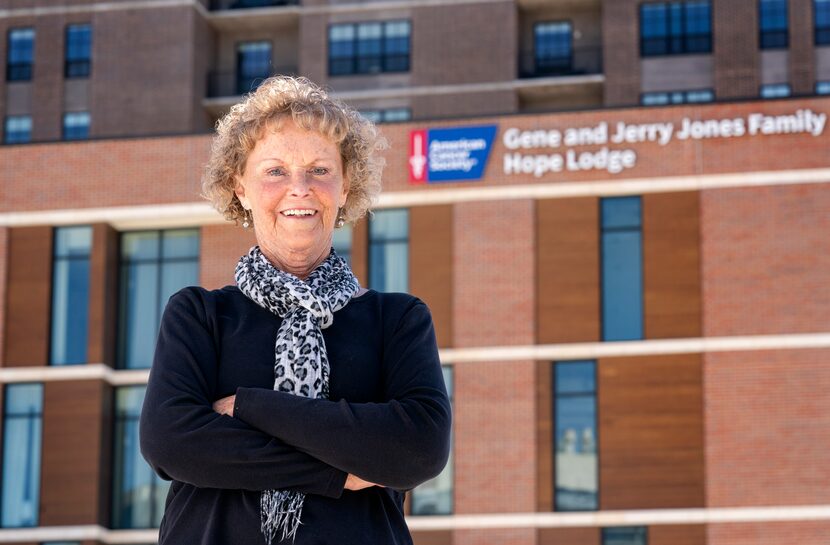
x=310 y=107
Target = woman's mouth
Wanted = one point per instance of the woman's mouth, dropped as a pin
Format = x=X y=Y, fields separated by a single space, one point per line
x=299 y=212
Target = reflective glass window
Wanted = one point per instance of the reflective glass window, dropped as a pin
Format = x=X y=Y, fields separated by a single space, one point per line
x=154 y=265
x=18 y=129
x=22 y=427
x=775 y=90
x=341 y=241
x=434 y=497
x=369 y=48
x=553 y=47
x=575 y=417
x=637 y=535
x=670 y=28
x=20 y=54
x=622 y=270
x=772 y=20
x=78 y=51
x=677 y=97
x=138 y=493
x=253 y=65
x=70 y=295
x=76 y=126
x=389 y=250
x=821 y=14
x=823 y=88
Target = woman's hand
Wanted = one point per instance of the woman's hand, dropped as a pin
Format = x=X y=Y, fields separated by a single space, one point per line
x=225 y=405
x=353 y=482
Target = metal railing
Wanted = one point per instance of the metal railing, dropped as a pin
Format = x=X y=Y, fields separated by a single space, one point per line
x=226 y=84
x=586 y=60
x=244 y=4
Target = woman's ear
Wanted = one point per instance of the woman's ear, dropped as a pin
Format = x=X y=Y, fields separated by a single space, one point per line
x=239 y=190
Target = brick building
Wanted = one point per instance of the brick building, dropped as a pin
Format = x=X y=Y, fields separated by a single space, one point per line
x=632 y=296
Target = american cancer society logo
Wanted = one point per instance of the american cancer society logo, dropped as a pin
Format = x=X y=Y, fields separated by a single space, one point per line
x=444 y=155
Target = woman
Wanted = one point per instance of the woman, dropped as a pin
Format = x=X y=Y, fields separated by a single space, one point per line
x=294 y=406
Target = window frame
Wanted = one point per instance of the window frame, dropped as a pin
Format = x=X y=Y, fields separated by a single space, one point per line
x=564 y=68
x=672 y=96
x=372 y=243
x=56 y=259
x=775 y=95
x=383 y=57
x=684 y=39
x=6 y=132
x=773 y=38
x=19 y=71
x=81 y=67
x=821 y=34
x=253 y=84
x=65 y=135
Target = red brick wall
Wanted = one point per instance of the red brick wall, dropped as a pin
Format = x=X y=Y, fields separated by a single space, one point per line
x=4 y=252
x=221 y=246
x=766 y=416
x=766 y=260
x=769 y=533
x=735 y=47
x=621 y=52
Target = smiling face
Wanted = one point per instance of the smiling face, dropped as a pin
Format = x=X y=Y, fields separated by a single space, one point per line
x=293 y=184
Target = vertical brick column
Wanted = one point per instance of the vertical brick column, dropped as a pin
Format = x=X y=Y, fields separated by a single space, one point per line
x=430 y=264
x=360 y=251
x=4 y=263
x=802 y=52
x=28 y=296
x=313 y=55
x=494 y=403
x=103 y=295
x=671 y=265
x=220 y=247
x=47 y=78
x=735 y=46
x=621 y=52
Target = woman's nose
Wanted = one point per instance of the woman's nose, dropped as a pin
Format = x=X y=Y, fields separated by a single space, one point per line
x=299 y=183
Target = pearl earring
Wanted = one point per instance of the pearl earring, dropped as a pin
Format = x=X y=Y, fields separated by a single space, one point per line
x=341 y=221
x=246 y=221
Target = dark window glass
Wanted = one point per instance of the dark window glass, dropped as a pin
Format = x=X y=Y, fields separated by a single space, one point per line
x=622 y=271
x=154 y=265
x=341 y=241
x=775 y=90
x=389 y=250
x=138 y=493
x=22 y=425
x=20 y=54
x=677 y=97
x=253 y=64
x=434 y=497
x=70 y=295
x=18 y=129
x=575 y=415
x=390 y=115
x=823 y=88
x=78 y=51
x=553 y=49
x=821 y=9
x=772 y=18
x=670 y=28
x=625 y=536
x=369 y=48
x=76 y=126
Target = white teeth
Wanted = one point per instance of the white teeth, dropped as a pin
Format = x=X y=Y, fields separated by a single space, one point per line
x=298 y=212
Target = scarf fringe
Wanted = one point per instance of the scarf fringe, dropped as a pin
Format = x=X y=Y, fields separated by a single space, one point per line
x=281 y=510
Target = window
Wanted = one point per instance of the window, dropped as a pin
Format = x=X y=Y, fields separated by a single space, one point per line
x=434 y=497
x=389 y=250
x=552 y=50
x=822 y=17
x=775 y=90
x=78 y=51
x=253 y=64
x=341 y=241
x=823 y=88
x=76 y=126
x=22 y=424
x=671 y=28
x=18 y=129
x=138 y=493
x=677 y=97
x=154 y=265
x=390 y=115
x=772 y=17
x=575 y=416
x=622 y=271
x=369 y=48
x=625 y=536
x=20 y=54
x=70 y=295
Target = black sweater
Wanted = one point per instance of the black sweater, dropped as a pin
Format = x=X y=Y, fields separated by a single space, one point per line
x=387 y=420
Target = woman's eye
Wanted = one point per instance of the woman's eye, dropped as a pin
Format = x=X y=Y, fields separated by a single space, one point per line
x=320 y=171
x=275 y=172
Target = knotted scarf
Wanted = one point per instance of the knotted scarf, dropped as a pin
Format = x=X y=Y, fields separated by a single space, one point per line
x=301 y=365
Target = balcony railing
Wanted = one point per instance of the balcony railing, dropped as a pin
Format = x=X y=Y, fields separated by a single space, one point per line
x=227 y=84
x=587 y=60
x=243 y=4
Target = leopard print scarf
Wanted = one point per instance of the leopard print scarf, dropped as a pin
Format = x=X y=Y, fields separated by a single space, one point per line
x=301 y=365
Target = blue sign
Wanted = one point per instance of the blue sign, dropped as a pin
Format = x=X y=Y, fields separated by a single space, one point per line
x=454 y=154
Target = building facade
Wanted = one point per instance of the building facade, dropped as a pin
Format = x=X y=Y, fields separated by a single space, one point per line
x=617 y=211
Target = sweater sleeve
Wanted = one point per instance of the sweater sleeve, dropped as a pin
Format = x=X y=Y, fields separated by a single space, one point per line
x=398 y=443
x=184 y=439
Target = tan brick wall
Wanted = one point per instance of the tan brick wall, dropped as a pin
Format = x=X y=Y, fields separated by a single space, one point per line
x=464 y=105
x=735 y=47
x=767 y=414
x=769 y=533
x=802 y=51
x=621 y=52
x=4 y=255
x=766 y=260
